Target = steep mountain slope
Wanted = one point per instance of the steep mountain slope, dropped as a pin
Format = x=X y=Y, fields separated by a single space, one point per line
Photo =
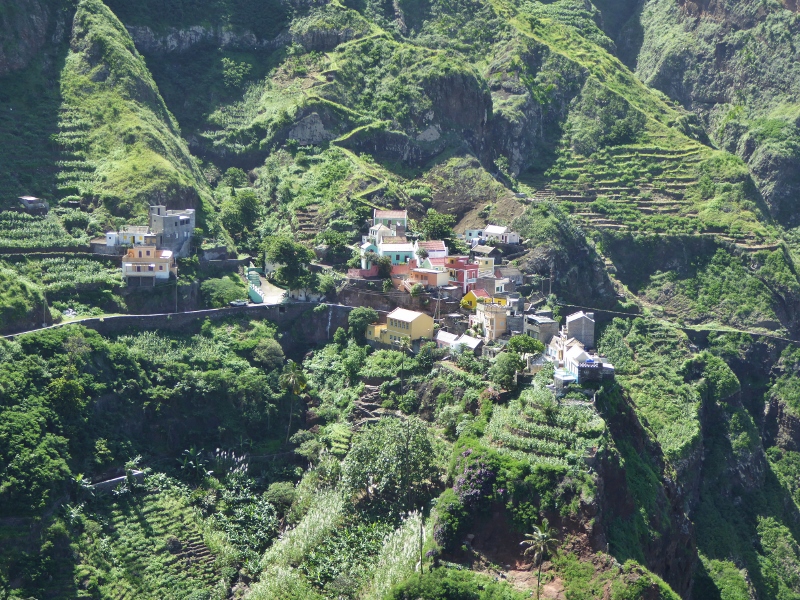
x=95 y=126
x=643 y=155
x=734 y=64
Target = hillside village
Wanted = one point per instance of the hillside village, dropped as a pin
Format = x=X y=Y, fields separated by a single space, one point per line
x=471 y=301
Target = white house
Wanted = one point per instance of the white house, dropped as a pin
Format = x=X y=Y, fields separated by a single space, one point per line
x=390 y=218
x=501 y=234
x=434 y=248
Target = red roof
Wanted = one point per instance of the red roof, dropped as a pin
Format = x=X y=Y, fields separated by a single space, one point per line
x=432 y=245
x=437 y=261
x=390 y=214
x=480 y=293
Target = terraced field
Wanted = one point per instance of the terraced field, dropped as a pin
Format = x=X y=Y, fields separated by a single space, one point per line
x=141 y=545
x=537 y=429
x=651 y=189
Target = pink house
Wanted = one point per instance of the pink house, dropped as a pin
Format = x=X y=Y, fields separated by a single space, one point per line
x=463 y=273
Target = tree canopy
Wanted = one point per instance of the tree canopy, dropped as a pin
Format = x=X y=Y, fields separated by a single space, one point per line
x=389 y=459
x=293 y=259
x=359 y=318
x=437 y=226
x=524 y=344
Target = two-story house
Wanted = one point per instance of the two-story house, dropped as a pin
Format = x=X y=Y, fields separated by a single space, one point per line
x=401 y=323
x=492 y=318
x=463 y=273
x=148 y=262
x=393 y=219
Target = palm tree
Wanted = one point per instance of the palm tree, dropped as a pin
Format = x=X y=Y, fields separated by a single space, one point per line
x=539 y=543
x=294 y=381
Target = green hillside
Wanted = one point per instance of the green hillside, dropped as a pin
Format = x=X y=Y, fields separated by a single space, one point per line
x=645 y=151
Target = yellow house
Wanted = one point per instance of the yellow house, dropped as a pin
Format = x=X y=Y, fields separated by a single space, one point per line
x=477 y=296
x=375 y=331
x=399 y=324
x=492 y=319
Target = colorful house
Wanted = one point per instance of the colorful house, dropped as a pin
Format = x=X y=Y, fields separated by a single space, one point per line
x=462 y=273
x=398 y=253
x=401 y=323
x=147 y=262
x=472 y=297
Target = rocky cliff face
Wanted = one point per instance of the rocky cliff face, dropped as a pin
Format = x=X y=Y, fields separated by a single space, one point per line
x=26 y=26
x=734 y=65
x=182 y=40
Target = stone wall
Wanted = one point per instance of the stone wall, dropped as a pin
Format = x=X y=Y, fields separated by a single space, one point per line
x=302 y=323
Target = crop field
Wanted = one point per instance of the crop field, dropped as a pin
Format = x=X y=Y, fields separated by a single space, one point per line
x=20 y=230
x=538 y=430
x=142 y=544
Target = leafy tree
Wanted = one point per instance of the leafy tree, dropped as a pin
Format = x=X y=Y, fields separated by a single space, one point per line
x=294 y=381
x=293 y=259
x=240 y=212
x=422 y=254
x=437 y=226
x=416 y=290
x=218 y=292
x=384 y=266
x=524 y=344
x=359 y=318
x=236 y=178
x=233 y=73
x=268 y=353
x=390 y=461
x=504 y=368
x=340 y=337
x=336 y=241
x=539 y=543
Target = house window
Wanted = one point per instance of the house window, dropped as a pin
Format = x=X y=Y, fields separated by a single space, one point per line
x=397 y=257
x=148 y=253
x=140 y=254
x=160 y=267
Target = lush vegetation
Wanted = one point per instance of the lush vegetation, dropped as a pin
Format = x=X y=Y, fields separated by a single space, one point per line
x=354 y=472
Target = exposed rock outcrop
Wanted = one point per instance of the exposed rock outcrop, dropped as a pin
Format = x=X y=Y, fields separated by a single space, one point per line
x=181 y=40
x=26 y=26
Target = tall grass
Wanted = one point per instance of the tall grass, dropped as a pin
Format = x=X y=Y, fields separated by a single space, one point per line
x=398 y=559
x=326 y=513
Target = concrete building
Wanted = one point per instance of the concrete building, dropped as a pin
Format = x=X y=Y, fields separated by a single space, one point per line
x=511 y=273
x=173 y=228
x=401 y=323
x=34 y=205
x=390 y=218
x=131 y=235
x=580 y=325
x=491 y=318
x=540 y=327
x=148 y=262
x=502 y=234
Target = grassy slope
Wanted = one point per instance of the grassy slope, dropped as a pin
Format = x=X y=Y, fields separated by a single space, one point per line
x=115 y=122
